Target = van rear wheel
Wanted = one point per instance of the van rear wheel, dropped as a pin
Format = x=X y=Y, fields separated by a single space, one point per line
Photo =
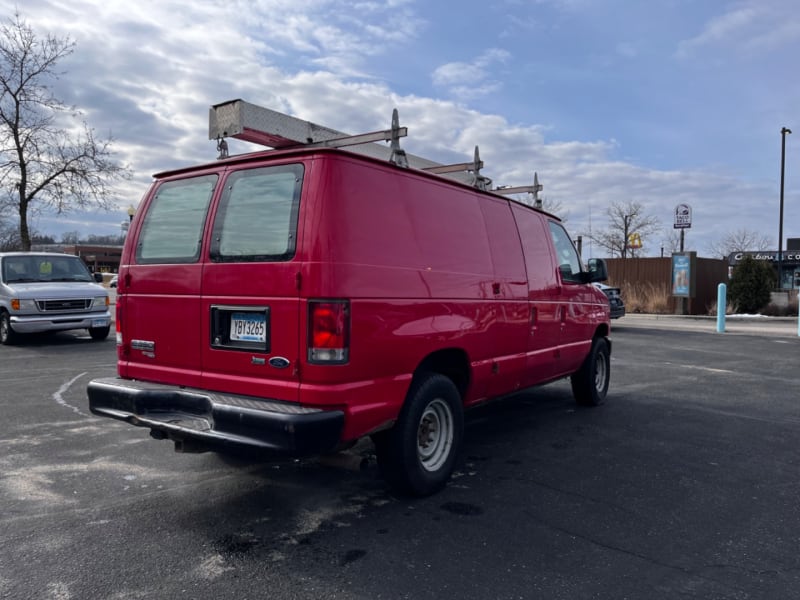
x=590 y=382
x=418 y=455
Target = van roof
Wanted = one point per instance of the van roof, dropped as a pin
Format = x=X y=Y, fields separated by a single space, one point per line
x=306 y=151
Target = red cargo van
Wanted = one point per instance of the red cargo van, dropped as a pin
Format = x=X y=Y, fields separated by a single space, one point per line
x=298 y=300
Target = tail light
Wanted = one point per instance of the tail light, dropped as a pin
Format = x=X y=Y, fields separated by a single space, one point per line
x=328 y=331
x=118 y=321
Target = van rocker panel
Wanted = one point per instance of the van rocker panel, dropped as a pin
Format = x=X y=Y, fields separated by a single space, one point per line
x=218 y=419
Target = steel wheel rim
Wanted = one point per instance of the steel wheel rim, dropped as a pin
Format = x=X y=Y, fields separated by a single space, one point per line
x=600 y=372
x=435 y=435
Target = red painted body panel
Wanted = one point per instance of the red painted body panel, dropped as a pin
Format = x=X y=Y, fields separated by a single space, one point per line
x=430 y=269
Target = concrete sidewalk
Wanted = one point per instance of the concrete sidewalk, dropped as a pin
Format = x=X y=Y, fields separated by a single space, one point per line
x=747 y=325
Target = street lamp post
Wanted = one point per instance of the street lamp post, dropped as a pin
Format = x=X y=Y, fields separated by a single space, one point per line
x=784 y=131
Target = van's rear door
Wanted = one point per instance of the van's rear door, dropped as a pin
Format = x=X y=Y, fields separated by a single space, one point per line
x=158 y=301
x=250 y=304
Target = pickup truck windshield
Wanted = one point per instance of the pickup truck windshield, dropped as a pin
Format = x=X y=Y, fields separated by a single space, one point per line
x=44 y=268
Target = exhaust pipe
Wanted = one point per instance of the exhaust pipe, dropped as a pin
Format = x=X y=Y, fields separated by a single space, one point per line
x=190 y=447
x=182 y=446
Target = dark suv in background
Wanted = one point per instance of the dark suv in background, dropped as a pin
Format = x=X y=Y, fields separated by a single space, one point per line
x=615 y=301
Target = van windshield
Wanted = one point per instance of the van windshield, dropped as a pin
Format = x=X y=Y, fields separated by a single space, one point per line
x=44 y=268
x=257 y=216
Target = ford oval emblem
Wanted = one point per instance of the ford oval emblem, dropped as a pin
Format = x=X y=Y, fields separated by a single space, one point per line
x=278 y=362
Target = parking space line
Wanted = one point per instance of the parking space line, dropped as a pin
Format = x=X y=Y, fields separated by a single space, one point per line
x=58 y=396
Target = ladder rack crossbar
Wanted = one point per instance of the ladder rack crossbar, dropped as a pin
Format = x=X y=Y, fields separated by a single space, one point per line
x=363 y=138
x=467 y=166
x=519 y=189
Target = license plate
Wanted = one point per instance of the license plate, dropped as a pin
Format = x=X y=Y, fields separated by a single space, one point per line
x=248 y=327
x=99 y=322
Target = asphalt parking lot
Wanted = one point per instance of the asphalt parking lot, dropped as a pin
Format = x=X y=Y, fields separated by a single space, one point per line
x=684 y=485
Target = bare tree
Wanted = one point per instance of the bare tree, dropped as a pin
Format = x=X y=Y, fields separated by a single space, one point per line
x=555 y=207
x=43 y=164
x=740 y=240
x=624 y=219
x=71 y=237
x=671 y=241
x=9 y=238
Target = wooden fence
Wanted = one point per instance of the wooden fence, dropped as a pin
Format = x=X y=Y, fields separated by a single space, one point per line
x=646 y=284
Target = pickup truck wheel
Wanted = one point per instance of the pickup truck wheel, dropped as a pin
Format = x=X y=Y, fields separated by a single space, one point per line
x=590 y=382
x=99 y=333
x=418 y=454
x=7 y=335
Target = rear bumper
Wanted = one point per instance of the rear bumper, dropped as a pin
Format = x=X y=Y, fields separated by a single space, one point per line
x=215 y=419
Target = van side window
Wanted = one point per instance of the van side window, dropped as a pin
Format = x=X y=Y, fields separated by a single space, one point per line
x=257 y=217
x=172 y=231
x=569 y=263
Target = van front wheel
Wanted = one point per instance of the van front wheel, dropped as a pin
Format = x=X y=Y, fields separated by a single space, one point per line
x=7 y=334
x=590 y=382
x=99 y=333
x=418 y=455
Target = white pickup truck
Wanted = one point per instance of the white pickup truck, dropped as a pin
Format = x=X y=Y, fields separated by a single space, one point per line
x=47 y=291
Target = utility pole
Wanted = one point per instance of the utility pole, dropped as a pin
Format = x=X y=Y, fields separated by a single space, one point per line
x=784 y=131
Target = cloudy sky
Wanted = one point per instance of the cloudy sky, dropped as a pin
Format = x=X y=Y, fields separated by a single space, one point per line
x=659 y=102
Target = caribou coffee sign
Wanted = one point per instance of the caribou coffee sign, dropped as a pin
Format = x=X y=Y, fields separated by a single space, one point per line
x=768 y=256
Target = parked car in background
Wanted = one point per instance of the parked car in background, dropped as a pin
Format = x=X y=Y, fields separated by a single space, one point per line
x=615 y=301
x=45 y=291
x=113 y=282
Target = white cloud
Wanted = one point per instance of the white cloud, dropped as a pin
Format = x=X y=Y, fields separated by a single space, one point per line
x=149 y=71
x=755 y=25
x=471 y=80
x=719 y=29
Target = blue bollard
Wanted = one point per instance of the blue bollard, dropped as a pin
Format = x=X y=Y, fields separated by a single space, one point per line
x=721 y=296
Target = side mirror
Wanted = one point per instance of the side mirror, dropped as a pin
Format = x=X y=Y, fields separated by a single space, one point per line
x=98 y=277
x=598 y=271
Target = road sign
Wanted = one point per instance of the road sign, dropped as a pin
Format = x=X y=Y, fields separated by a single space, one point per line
x=683 y=217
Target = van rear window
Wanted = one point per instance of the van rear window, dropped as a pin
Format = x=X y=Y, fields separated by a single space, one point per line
x=172 y=231
x=257 y=215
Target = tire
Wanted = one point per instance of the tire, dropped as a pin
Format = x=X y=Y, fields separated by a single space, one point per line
x=7 y=335
x=418 y=455
x=590 y=382
x=99 y=333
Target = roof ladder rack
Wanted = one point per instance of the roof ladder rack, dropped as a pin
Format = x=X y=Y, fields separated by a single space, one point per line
x=256 y=124
x=259 y=125
x=474 y=167
x=398 y=156
x=533 y=190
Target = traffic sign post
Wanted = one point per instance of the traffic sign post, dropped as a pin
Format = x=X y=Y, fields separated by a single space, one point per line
x=683 y=219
